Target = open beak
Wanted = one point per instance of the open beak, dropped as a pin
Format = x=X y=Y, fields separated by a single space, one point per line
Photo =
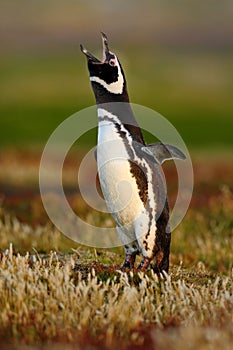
x=105 y=51
x=89 y=55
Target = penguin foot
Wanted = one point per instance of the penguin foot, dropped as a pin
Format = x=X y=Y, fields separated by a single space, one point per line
x=144 y=264
x=129 y=262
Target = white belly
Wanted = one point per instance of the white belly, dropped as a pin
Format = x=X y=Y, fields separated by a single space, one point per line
x=118 y=185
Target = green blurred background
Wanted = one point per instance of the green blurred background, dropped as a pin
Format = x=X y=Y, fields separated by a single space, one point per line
x=177 y=56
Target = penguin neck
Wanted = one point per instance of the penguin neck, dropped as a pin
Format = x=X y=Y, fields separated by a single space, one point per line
x=119 y=105
x=102 y=95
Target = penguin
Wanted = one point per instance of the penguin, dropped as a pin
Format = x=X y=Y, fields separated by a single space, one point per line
x=129 y=170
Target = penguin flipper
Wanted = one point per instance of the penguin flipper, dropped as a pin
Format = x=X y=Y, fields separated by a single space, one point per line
x=163 y=151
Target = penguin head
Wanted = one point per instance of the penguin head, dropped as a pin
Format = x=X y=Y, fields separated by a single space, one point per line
x=106 y=75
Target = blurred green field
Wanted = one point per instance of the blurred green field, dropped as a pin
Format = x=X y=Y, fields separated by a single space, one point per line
x=191 y=89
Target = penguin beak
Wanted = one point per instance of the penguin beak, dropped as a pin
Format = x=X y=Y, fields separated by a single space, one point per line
x=106 y=51
x=89 y=55
x=105 y=47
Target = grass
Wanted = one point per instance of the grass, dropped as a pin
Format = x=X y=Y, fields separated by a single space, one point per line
x=54 y=292
x=46 y=300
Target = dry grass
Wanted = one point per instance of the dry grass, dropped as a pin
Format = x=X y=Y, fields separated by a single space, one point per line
x=75 y=299
x=63 y=295
x=47 y=299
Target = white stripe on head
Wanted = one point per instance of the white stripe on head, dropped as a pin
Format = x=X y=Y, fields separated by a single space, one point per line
x=116 y=87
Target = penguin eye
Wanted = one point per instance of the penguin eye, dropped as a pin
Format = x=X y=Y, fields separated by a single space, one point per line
x=112 y=63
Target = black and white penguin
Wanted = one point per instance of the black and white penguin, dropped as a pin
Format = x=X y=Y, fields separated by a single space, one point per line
x=129 y=170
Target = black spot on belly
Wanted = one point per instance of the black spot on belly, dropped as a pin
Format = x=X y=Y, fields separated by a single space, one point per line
x=141 y=181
